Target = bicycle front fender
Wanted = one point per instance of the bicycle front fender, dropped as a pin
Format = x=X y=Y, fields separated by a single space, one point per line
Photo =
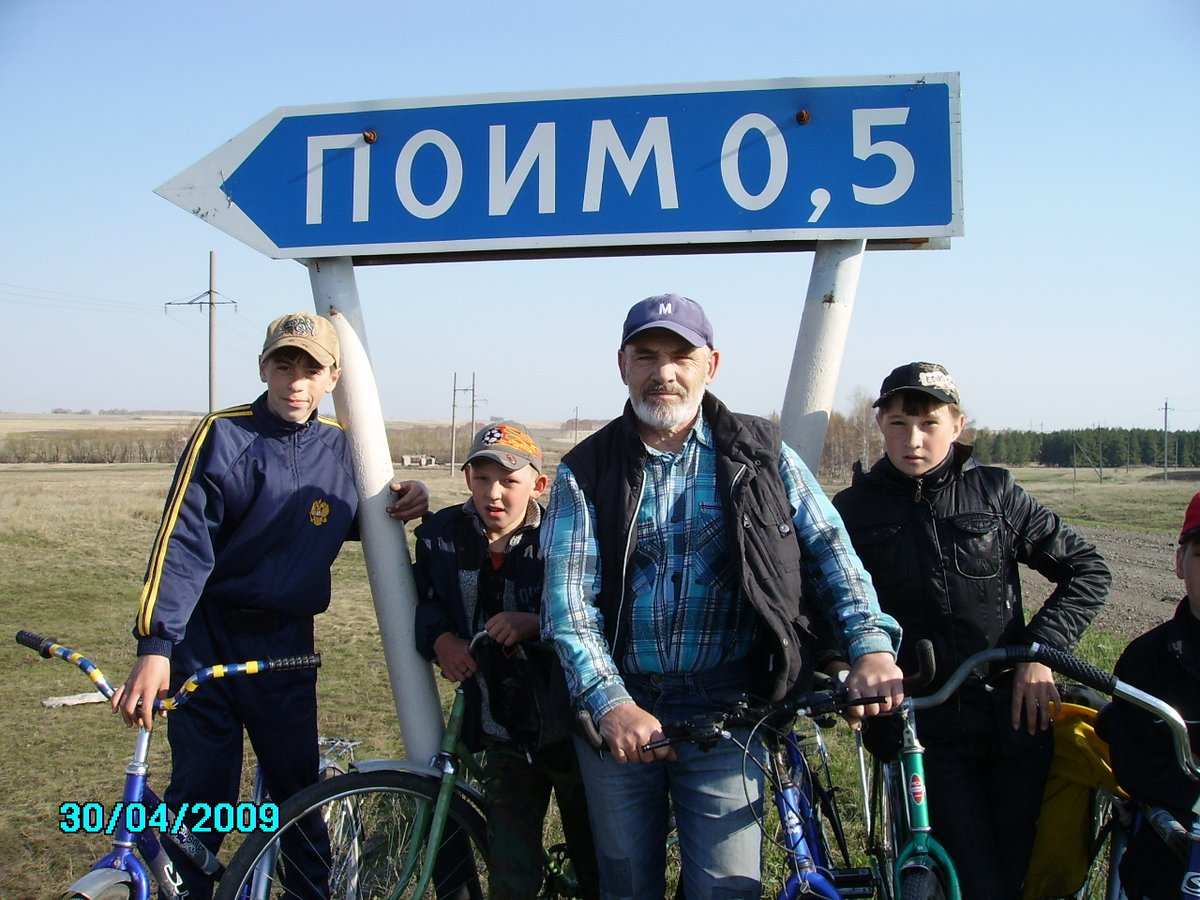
x=97 y=881
x=931 y=851
x=407 y=765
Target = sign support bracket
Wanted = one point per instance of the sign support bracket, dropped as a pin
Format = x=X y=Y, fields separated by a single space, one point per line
x=820 y=344
x=385 y=547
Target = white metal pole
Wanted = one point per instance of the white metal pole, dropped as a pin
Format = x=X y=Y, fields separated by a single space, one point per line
x=820 y=344
x=385 y=548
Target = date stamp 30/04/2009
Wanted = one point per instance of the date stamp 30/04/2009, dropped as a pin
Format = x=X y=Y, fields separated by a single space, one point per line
x=219 y=818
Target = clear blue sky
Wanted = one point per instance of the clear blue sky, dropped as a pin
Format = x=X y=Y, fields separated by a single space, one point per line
x=1070 y=301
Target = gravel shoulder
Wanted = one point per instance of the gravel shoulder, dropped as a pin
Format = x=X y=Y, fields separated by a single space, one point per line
x=1144 y=590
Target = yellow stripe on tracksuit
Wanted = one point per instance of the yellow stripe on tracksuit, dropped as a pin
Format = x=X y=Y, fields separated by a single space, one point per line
x=178 y=489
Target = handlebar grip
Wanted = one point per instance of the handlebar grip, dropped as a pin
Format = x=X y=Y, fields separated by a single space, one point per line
x=293 y=663
x=926 y=666
x=34 y=642
x=586 y=729
x=1077 y=669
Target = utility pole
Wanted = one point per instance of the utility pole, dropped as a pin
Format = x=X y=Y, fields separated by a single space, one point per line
x=210 y=300
x=1165 y=408
x=212 y=330
x=472 y=406
x=454 y=392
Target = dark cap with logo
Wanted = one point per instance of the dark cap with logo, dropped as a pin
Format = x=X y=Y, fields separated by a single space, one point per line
x=924 y=377
x=508 y=443
x=670 y=311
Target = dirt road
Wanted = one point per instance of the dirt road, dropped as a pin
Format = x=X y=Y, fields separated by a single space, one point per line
x=1145 y=589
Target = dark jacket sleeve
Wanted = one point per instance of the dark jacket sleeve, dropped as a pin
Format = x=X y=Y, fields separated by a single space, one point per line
x=433 y=617
x=1143 y=754
x=1081 y=577
x=184 y=553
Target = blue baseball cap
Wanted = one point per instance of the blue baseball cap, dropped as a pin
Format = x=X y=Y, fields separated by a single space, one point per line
x=670 y=311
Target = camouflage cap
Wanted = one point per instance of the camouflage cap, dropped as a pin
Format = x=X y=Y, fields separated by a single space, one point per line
x=311 y=333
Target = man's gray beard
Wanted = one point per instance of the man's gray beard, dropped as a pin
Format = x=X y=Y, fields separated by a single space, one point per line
x=665 y=416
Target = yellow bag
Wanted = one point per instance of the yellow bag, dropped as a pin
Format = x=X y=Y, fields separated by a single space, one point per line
x=1062 y=850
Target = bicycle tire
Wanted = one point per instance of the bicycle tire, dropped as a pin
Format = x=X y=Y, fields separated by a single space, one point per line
x=888 y=816
x=368 y=820
x=1103 y=857
x=922 y=883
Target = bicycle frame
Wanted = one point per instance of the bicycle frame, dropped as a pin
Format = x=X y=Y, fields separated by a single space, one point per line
x=1076 y=669
x=796 y=803
x=121 y=865
x=920 y=846
x=796 y=794
x=430 y=822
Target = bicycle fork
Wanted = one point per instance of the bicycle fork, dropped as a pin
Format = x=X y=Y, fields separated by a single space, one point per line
x=811 y=876
x=922 y=847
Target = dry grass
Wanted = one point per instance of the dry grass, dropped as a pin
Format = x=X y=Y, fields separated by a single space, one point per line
x=73 y=544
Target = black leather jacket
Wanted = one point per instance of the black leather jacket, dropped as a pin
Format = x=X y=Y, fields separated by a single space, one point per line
x=943 y=553
x=1165 y=662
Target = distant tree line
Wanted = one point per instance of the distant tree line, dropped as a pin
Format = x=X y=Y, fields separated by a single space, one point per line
x=849 y=438
x=100 y=445
x=854 y=436
x=161 y=445
x=1093 y=447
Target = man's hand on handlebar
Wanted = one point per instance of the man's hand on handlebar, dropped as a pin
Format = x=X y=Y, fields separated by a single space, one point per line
x=874 y=675
x=627 y=729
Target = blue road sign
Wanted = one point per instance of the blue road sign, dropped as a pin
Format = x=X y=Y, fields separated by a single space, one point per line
x=575 y=172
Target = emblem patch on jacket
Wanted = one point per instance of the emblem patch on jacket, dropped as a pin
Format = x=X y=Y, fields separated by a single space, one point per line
x=318 y=514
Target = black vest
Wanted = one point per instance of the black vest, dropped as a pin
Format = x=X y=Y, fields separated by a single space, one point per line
x=608 y=466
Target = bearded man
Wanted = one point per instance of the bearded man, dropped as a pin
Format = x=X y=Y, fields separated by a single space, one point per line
x=676 y=543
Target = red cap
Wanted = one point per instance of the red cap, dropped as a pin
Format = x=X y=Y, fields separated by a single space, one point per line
x=1191 y=521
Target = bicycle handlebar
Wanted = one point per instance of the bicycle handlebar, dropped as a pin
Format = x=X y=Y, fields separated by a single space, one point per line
x=1077 y=670
x=48 y=647
x=707 y=729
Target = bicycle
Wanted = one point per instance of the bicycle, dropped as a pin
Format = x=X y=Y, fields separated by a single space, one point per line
x=140 y=818
x=397 y=829
x=909 y=862
x=795 y=767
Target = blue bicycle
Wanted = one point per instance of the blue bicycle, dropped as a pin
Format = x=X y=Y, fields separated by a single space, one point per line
x=795 y=767
x=139 y=822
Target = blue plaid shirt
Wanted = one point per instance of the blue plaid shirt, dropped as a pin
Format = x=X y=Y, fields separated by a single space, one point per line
x=687 y=611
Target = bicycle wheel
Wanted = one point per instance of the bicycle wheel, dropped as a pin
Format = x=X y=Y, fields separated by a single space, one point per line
x=888 y=822
x=922 y=882
x=1106 y=834
x=351 y=836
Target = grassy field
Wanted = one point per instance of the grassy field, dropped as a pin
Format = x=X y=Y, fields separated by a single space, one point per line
x=73 y=544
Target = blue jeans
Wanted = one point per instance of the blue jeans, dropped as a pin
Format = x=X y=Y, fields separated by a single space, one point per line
x=716 y=796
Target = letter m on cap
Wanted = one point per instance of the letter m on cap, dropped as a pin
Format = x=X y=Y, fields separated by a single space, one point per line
x=664 y=308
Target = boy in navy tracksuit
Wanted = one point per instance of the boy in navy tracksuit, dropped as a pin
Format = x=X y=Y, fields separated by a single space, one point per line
x=262 y=499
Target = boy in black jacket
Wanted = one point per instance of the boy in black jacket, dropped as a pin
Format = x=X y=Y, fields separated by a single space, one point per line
x=1165 y=662
x=479 y=567
x=943 y=538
